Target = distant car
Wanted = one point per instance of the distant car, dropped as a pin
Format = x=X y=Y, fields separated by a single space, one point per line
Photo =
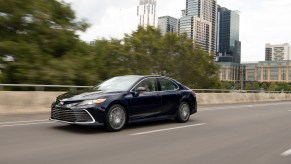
x=126 y=99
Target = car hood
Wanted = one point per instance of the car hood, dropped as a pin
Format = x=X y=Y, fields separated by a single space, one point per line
x=85 y=95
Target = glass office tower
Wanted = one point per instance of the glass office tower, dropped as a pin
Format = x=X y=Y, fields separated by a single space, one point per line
x=228 y=44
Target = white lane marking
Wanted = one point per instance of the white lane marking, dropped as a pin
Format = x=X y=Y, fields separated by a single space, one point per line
x=30 y=121
x=2 y=126
x=161 y=130
x=240 y=106
x=217 y=108
x=286 y=153
x=289 y=110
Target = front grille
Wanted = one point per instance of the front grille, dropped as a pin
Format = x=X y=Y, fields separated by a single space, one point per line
x=68 y=115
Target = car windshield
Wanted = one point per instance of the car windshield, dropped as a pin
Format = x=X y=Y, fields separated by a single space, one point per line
x=116 y=84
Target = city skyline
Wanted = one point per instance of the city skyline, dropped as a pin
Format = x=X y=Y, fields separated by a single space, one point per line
x=199 y=23
x=261 y=21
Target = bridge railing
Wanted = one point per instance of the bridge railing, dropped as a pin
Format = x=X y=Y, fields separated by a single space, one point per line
x=35 y=87
x=237 y=91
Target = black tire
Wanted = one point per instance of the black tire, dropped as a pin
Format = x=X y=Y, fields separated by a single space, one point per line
x=116 y=118
x=183 y=112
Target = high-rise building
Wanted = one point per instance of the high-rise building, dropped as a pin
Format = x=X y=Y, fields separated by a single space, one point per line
x=199 y=23
x=278 y=52
x=228 y=44
x=146 y=12
x=168 y=24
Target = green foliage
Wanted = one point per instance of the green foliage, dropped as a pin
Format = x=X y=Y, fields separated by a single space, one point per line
x=49 y=24
x=227 y=85
x=41 y=36
x=280 y=87
x=283 y=87
x=264 y=86
x=252 y=86
x=149 y=52
x=272 y=87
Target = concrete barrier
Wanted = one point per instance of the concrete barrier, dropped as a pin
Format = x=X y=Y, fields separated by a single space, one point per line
x=26 y=102
x=38 y=102
x=232 y=98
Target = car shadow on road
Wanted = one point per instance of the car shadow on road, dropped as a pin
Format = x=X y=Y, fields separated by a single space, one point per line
x=79 y=129
x=157 y=123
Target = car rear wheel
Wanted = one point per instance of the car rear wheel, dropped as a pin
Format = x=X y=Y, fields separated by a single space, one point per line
x=116 y=118
x=183 y=112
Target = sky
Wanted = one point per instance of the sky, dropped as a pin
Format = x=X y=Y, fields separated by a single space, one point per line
x=261 y=21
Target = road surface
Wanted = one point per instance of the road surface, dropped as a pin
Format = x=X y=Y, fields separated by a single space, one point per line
x=224 y=134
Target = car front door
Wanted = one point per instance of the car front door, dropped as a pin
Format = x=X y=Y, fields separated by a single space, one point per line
x=147 y=103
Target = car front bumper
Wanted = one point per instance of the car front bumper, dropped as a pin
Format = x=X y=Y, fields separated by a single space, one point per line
x=73 y=116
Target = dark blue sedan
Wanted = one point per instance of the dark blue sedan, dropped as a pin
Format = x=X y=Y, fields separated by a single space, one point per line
x=126 y=99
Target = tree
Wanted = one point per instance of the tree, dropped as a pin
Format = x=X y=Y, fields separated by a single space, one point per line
x=150 y=52
x=41 y=36
x=49 y=24
x=36 y=33
x=110 y=59
x=144 y=49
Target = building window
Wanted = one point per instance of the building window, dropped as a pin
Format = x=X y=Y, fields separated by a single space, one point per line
x=265 y=73
x=251 y=75
x=259 y=74
x=283 y=73
x=274 y=73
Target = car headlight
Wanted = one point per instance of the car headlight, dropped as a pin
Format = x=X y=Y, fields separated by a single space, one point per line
x=91 y=102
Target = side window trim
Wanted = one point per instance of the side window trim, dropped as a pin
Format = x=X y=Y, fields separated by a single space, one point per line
x=156 y=84
x=177 y=87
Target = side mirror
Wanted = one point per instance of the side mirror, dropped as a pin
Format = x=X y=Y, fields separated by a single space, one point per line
x=138 y=91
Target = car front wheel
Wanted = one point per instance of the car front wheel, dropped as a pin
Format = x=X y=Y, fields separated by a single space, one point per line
x=183 y=113
x=116 y=118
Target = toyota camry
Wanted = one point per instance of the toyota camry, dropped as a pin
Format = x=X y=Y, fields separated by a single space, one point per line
x=126 y=99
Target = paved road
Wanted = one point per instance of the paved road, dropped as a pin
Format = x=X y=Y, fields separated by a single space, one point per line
x=229 y=134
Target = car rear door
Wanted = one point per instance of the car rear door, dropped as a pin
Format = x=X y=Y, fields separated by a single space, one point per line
x=169 y=91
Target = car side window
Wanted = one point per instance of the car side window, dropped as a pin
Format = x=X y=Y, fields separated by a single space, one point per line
x=149 y=84
x=167 y=85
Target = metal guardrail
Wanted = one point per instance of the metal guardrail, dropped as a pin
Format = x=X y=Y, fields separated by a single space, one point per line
x=36 y=87
x=237 y=91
